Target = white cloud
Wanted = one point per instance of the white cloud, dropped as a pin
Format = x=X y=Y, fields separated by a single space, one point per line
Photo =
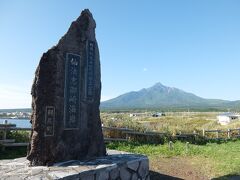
x=145 y=69
x=14 y=97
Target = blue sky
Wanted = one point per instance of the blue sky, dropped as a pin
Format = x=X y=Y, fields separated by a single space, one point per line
x=191 y=45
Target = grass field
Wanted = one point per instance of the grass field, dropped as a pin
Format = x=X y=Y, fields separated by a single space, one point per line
x=212 y=160
x=209 y=161
x=13 y=152
x=173 y=122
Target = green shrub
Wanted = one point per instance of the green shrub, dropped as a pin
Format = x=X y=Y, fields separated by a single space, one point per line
x=19 y=136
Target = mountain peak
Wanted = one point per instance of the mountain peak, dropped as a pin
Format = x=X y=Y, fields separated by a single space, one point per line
x=159 y=96
x=158 y=85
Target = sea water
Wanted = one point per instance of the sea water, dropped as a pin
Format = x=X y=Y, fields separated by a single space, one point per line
x=21 y=123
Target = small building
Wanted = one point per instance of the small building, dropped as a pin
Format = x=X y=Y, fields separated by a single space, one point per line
x=226 y=118
x=158 y=114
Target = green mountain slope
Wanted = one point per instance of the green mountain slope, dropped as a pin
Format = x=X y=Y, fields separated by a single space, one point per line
x=160 y=96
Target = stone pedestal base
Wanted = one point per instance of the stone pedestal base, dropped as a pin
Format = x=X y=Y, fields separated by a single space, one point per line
x=117 y=165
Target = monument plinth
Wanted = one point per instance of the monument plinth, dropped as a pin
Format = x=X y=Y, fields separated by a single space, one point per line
x=116 y=166
x=66 y=92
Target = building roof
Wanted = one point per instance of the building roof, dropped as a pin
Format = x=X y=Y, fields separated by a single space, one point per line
x=229 y=114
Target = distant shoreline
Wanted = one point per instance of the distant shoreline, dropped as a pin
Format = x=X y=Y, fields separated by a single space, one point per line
x=7 y=118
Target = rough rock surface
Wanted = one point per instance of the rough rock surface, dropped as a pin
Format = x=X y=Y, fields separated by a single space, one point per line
x=65 y=98
x=111 y=167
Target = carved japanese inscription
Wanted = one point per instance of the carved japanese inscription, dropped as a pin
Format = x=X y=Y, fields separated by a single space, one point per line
x=49 y=120
x=66 y=91
x=90 y=70
x=72 y=91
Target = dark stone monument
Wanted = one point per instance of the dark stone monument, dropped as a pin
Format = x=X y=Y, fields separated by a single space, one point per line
x=66 y=91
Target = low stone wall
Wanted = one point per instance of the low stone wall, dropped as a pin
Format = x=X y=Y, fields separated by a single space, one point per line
x=117 y=165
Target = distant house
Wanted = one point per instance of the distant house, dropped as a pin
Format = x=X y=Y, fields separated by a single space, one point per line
x=226 y=118
x=158 y=114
